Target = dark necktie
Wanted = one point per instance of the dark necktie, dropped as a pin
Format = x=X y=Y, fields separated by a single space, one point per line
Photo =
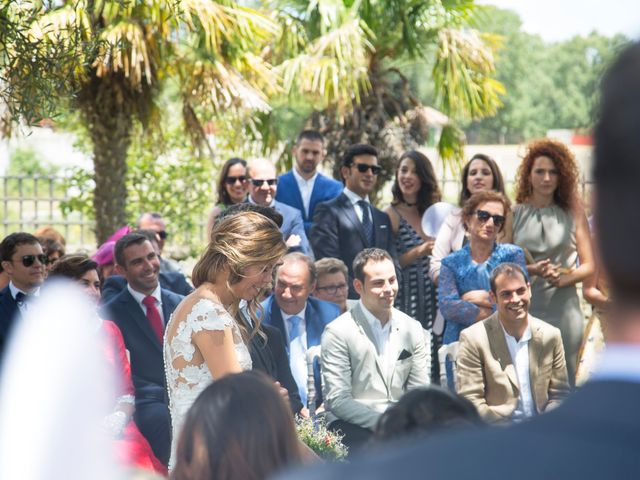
x=367 y=224
x=154 y=317
x=22 y=298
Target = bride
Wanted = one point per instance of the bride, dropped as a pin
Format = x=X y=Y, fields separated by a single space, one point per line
x=204 y=340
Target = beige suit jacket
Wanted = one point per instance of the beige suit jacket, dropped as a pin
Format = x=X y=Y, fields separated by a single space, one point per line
x=357 y=386
x=487 y=376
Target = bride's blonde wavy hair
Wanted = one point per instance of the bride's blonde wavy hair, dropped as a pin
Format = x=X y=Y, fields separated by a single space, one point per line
x=239 y=242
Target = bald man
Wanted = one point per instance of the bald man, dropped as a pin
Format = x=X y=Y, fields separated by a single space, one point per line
x=263 y=186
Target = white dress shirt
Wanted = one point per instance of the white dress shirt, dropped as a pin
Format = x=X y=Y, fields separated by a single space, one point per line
x=298 y=352
x=305 y=187
x=23 y=307
x=519 y=351
x=354 y=198
x=139 y=297
x=380 y=334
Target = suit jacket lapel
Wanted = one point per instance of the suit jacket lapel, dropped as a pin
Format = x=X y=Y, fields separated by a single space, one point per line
x=276 y=320
x=394 y=350
x=312 y=321
x=535 y=356
x=499 y=348
x=365 y=328
x=139 y=318
x=350 y=212
x=318 y=187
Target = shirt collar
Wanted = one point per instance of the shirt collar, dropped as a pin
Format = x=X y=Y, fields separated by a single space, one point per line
x=272 y=204
x=354 y=197
x=526 y=336
x=286 y=316
x=619 y=362
x=299 y=178
x=139 y=297
x=15 y=290
x=373 y=320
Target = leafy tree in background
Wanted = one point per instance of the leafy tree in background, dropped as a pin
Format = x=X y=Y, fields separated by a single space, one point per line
x=124 y=51
x=348 y=58
x=548 y=85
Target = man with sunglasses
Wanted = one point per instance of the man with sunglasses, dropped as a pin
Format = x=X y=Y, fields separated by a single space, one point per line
x=348 y=224
x=304 y=187
x=24 y=261
x=263 y=186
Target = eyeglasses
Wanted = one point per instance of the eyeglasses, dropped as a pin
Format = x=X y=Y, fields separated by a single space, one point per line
x=162 y=234
x=333 y=289
x=483 y=216
x=29 y=260
x=233 y=180
x=256 y=182
x=363 y=167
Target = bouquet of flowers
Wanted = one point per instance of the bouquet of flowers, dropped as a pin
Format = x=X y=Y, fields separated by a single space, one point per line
x=326 y=444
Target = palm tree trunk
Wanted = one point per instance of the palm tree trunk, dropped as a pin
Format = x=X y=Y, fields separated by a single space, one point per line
x=109 y=120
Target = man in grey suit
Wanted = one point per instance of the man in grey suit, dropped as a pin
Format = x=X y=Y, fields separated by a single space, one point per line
x=372 y=354
x=262 y=191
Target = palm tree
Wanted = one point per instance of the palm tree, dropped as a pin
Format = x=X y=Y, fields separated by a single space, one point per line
x=348 y=55
x=122 y=52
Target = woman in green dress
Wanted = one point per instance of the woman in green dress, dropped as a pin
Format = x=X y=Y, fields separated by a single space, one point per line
x=550 y=225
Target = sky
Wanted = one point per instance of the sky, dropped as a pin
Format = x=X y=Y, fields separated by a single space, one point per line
x=556 y=20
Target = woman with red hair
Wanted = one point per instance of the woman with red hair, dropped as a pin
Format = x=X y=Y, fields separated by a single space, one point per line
x=550 y=225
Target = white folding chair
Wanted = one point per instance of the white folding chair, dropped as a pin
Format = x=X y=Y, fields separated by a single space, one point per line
x=449 y=351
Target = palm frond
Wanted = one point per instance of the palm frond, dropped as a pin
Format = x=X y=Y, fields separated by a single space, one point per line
x=465 y=88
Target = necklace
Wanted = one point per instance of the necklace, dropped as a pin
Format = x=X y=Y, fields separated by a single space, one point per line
x=410 y=204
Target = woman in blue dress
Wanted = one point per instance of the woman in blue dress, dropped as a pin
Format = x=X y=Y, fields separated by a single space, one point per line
x=463 y=289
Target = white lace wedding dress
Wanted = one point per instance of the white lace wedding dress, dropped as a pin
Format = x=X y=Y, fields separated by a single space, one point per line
x=186 y=383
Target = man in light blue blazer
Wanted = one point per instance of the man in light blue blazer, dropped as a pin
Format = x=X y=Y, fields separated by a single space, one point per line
x=300 y=318
x=304 y=187
x=263 y=186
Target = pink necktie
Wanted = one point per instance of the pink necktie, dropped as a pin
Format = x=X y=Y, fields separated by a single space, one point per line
x=154 y=317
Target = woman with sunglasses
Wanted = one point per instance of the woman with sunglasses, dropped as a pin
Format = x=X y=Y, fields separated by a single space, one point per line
x=463 y=290
x=479 y=174
x=550 y=224
x=414 y=190
x=233 y=187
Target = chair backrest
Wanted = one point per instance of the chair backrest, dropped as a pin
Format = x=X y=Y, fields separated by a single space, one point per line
x=313 y=354
x=450 y=352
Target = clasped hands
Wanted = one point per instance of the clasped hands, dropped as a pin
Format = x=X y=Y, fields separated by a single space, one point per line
x=551 y=272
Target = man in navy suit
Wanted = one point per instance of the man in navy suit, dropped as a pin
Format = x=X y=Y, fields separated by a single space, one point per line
x=23 y=260
x=262 y=191
x=304 y=187
x=348 y=224
x=142 y=311
x=594 y=433
x=300 y=318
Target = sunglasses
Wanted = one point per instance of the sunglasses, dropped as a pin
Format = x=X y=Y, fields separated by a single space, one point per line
x=363 y=167
x=233 y=180
x=163 y=234
x=256 y=182
x=483 y=216
x=28 y=260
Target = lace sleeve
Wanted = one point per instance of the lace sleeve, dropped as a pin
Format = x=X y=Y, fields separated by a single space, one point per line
x=452 y=307
x=207 y=315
